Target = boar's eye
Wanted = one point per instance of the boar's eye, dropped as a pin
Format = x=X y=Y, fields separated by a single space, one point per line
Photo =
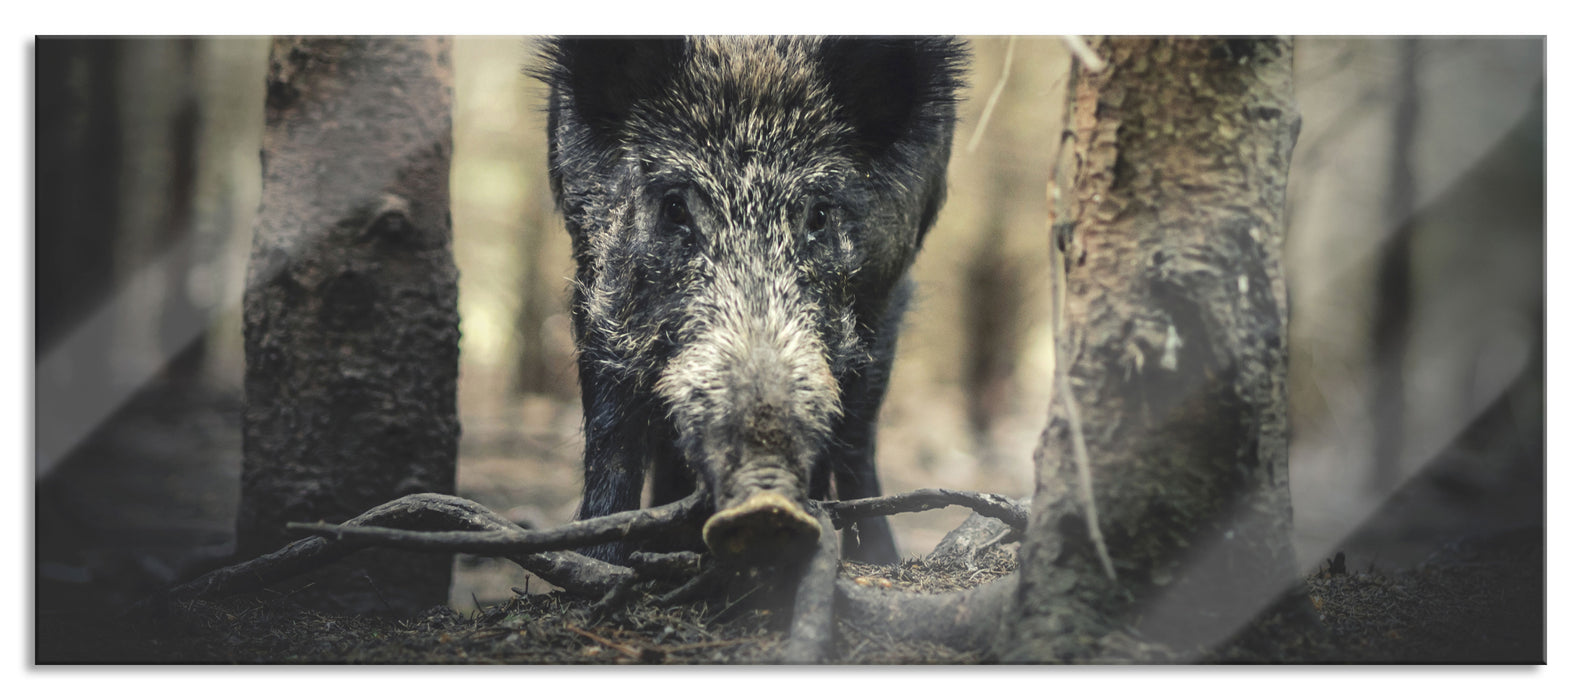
x=817 y=218
x=675 y=211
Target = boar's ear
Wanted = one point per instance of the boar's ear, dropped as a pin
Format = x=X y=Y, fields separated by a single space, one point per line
x=900 y=94
x=595 y=83
x=593 y=86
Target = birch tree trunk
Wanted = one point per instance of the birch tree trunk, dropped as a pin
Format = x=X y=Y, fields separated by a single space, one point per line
x=350 y=311
x=1162 y=511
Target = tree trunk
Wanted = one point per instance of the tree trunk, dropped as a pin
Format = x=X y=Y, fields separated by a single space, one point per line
x=159 y=329
x=1394 y=308
x=79 y=169
x=117 y=165
x=350 y=311
x=534 y=370
x=989 y=322
x=78 y=182
x=1169 y=195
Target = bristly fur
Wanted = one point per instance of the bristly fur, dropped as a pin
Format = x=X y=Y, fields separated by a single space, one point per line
x=743 y=212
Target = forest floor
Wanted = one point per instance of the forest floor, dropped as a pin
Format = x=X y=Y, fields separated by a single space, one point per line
x=149 y=500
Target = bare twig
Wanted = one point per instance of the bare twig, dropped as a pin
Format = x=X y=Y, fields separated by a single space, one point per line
x=994 y=97
x=311 y=553
x=626 y=649
x=466 y=526
x=580 y=574
x=1079 y=452
x=990 y=505
x=813 y=615
x=1079 y=445
x=609 y=528
x=574 y=572
x=1079 y=48
x=299 y=557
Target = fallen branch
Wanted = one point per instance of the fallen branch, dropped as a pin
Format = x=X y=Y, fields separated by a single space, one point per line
x=434 y=522
x=502 y=542
x=569 y=570
x=666 y=565
x=813 y=615
x=990 y=505
x=577 y=573
x=972 y=537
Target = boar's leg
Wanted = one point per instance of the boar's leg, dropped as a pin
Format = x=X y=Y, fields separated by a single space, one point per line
x=670 y=480
x=614 y=460
x=851 y=459
x=852 y=462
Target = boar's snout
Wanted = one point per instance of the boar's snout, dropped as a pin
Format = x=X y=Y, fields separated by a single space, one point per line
x=761 y=523
x=753 y=399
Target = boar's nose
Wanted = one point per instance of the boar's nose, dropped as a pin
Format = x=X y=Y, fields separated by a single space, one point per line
x=758 y=521
x=760 y=514
x=753 y=399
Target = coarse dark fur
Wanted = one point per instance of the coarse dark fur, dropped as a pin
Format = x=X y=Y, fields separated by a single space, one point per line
x=743 y=214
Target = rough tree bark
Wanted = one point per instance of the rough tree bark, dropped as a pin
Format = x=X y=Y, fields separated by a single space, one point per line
x=1168 y=207
x=350 y=311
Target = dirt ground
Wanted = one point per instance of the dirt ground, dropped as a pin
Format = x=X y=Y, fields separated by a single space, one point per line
x=149 y=501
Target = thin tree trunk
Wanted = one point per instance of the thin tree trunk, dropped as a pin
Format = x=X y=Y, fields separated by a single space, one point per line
x=532 y=371
x=989 y=321
x=117 y=121
x=78 y=176
x=350 y=311
x=79 y=169
x=1171 y=356
x=159 y=329
x=1394 y=308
